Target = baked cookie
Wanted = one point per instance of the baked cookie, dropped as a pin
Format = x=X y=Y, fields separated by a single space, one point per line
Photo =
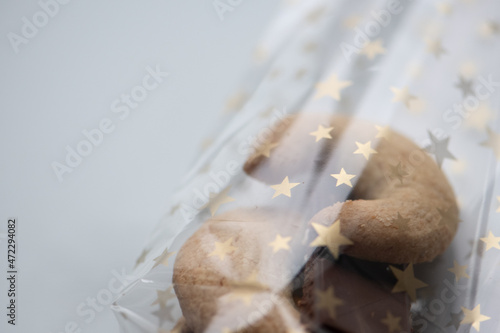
x=231 y=274
x=395 y=205
x=350 y=295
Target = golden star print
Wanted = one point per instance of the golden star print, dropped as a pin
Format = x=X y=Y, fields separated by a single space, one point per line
x=473 y=317
x=492 y=142
x=284 y=188
x=142 y=257
x=265 y=149
x=246 y=289
x=383 y=132
x=489 y=28
x=459 y=271
x=365 y=149
x=351 y=22
x=455 y=318
x=402 y=95
x=162 y=259
x=326 y=300
x=401 y=223
x=164 y=313
x=444 y=8
x=465 y=86
x=331 y=87
x=206 y=143
x=446 y=216
x=163 y=296
x=434 y=47
x=310 y=47
x=222 y=249
x=491 y=241
x=480 y=117
x=280 y=243
x=174 y=209
x=407 y=281
x=373 y=48
x=218 y=200
x=343 y=178
x=322 y=133
x=439 y=148
x=235 y=102
x=398 y=172
x=392 y=322
x=330 y=237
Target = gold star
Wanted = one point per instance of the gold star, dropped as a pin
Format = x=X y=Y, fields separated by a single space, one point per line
x=365 y=149
x=480 y=117
x=373 y=48
x=459 y=271
x=300 y=73
x=401 y=222
x=265 y=149
x=174 y=209
x=206 y=143
x=435 y=47
x=392 y=322
x=383 y=132
x=241 y=294
x=235 y=102
x=260 y=54
x=455 y=318
x=398 y=172
x=164 y=313
x=489 y=28
x=492 y=142
x=330 y=237
x=246 y=289
x=204 y=169
x=216 y=200
x=315 y=15
x=310 y=47
x=322 y=133
x=468 y=69
x=446 y=216
x=465 y=86
x=283 y=188
x=351 y=22
x=331 y=87
x=491 y=241
x=343 y=178
x=439 y=148
x=162 y=296
x=222 y=249
x=444 y=8
x=328 y=301
x=498 y=208
x=473 y=317
x=163 y=258
x=407 y=281
x=280 y=243
x=402 y=95
x=142 y=257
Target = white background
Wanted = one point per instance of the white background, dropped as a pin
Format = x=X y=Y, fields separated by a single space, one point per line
x=73 y=234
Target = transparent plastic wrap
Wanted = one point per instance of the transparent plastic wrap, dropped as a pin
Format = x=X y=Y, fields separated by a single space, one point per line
x=353 y=190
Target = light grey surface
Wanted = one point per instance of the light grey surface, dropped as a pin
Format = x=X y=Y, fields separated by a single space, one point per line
x=73 y=234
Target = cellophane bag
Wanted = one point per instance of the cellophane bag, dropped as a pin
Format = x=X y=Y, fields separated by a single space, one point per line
x=352 y=190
